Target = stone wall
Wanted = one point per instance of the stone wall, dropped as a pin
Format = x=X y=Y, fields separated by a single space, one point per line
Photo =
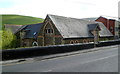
x=53 y=38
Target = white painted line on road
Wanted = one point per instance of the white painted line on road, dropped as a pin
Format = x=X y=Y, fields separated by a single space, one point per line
x=13 y=64
x=100 y=59
x=47 y=71
x=17 y=63
x=71 y=55
x=78 y=53
x=84 y=62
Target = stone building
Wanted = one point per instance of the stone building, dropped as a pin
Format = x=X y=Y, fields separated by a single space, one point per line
x=27 y=35
x=56 y=30
x=65 y=30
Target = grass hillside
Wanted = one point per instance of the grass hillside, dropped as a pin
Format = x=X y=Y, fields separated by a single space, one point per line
x=20 y=20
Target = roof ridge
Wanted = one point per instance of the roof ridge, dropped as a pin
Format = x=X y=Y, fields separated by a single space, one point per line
x=108 y=16
x=71 y=18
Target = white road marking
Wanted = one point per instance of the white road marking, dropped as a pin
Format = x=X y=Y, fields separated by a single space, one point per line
x=69 y=56
x=17 y=63
x=61 y=58
x=47 y=71
x=86 y=62
x=99 y=59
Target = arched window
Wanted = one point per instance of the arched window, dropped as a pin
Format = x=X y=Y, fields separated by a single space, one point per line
x=71 y=42
x=76 y=41
x=35 y=43
x=89 y=40
x=85 y=41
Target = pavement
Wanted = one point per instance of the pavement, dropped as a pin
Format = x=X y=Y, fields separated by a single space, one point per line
x=92 y=60
x=38 y=58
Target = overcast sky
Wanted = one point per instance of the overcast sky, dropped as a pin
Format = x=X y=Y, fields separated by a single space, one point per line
x=69 y=8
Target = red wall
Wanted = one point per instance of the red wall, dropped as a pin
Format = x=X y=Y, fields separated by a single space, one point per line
x=110 y=24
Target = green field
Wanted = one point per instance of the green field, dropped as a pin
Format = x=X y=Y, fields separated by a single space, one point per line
x=20 y=20
x=14 y=20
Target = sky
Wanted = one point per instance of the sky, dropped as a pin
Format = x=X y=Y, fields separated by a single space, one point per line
x=68 y=8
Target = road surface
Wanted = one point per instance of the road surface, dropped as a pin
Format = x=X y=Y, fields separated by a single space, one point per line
x=97 y=61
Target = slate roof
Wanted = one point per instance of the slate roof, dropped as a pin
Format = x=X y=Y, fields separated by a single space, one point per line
x=13 y=28
x=32 y=30
x=92 y=27
x=21 y=28
x=90 y=19
x=76 y=28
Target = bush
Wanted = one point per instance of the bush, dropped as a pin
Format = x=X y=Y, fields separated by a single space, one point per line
x=7 y=40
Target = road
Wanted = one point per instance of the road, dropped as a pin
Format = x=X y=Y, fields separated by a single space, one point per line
x=97 y=61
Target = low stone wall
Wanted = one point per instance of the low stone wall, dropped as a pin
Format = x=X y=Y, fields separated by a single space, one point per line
x=47 y=50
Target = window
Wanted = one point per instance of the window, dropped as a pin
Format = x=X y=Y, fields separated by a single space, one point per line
x=76 y=41
x=89 y=40
x=51 y=30
x=71 y=42
x=116 y=29
x=85 y=41
x=111 y=29
x=35 y=43
x=48 y=30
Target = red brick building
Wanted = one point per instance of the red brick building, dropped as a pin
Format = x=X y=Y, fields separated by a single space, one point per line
x=111 y=23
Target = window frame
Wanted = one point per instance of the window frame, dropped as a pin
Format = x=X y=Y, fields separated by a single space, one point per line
x=49 y=31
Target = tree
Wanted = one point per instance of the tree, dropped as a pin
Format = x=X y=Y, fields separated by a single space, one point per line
x=7 y=40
